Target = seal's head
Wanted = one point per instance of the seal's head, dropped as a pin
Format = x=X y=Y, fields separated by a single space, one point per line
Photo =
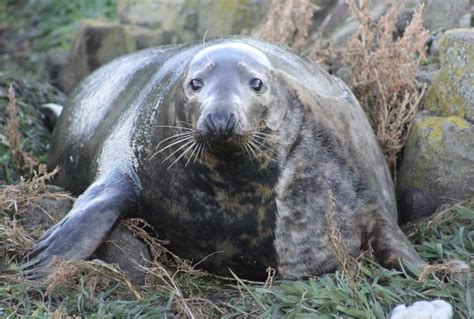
x=227 y=89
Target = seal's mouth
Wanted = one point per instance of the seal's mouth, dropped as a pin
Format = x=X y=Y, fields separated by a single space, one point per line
x=190 y=145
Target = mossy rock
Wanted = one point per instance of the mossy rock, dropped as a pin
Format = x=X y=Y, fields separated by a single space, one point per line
x=96 y=43
x=30 y=94
x=442 y=14
x=438 y=165
x=452 y=90
x=189 y=20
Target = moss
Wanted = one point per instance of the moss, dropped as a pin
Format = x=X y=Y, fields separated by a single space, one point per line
x=429 y=136
x=432 y=128
x=450 y=93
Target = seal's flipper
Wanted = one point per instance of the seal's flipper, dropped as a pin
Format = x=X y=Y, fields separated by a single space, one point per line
x=50 y=114
x=86 y=226
x=391 y=246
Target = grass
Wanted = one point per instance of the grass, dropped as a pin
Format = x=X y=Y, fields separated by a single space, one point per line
x=361 y=289
x=42 y=25
x=174 y=288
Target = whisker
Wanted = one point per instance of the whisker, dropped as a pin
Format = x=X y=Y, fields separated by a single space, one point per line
x=174 y=136
x=195 y=147
x=174 y=152
x=264 y=146
x=271 y=138
x=206 y=150
x=261 y=151
x=176 y=127
x=255 y=156
x=245 y=148
x=191 y=125
x=172 y=144
x=198 y=152
x=182 y=154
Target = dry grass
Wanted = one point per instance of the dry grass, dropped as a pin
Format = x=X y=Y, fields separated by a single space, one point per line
x=381 y=66
x=382 y=72
x=15 y=203
x=18 y=199
x=288 y=22
x=347 y=265
x=20 y=159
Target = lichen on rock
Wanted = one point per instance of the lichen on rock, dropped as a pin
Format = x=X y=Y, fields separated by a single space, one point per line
x=452 y=90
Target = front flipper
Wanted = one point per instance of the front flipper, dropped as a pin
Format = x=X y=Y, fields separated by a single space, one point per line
x=89 y=222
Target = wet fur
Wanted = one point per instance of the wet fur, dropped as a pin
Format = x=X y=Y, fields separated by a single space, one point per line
x=235 y=211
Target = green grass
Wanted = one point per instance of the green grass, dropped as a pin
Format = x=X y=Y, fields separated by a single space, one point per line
x=49 y=24
x=376 y=291
x=54 y=21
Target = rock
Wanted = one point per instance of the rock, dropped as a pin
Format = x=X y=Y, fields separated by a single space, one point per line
x=438 y=161
x=434 y=42
x=425 y=75
x=437 y=166
x=341 y=26
x=121 y=247
x=165 y=22
x=442 y=14
x=95 y=44
x=55 y=63
x=127 y=251
x=49 y=210
x=403 y=20
x=452 y=90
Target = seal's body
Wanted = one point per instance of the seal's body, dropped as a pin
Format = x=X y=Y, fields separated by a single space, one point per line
x=230 y=150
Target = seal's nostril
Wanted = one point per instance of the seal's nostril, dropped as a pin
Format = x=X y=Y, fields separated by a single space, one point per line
x=221 y=124
x=230 y=123
x=210 y=123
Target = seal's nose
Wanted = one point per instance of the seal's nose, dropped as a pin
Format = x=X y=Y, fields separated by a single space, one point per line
x=221 y=124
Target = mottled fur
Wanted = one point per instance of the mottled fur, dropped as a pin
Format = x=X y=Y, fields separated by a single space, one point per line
x=235 y=204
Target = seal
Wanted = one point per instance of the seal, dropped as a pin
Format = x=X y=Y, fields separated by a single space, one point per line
x=230 y=150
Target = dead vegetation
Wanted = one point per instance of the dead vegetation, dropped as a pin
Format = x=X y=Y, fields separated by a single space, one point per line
x=21 y=160
x=16 y=201
x=183 y=290
x=381 y=65
x=347 y=264
x=288 y=22
x=382 y=72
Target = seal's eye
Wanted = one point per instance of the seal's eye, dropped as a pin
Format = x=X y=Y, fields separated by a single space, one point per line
x=256 y=84
x=196 y=84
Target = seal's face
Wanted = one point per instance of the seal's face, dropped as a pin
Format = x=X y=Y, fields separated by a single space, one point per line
x=227 y=89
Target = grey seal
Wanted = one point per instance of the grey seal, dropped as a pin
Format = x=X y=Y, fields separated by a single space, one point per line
x=229 y=149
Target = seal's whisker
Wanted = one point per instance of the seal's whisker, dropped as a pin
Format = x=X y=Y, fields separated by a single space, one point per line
x=182 y=154
x=198 y=152
x=195 y=147
x=205 y=152
x=181 y=140
x=262 y=143
x=175 y=127
x=265 y=135
x=189 y=124
x=271 y=138
x=245 y=147
x=254 y=152
x=259 y=150
x=177 y=150
x=174 y=136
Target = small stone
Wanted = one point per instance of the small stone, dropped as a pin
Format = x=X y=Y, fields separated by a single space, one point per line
x=127 y=251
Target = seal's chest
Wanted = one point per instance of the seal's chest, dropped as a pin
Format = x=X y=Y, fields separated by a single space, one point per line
x=228 y=215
